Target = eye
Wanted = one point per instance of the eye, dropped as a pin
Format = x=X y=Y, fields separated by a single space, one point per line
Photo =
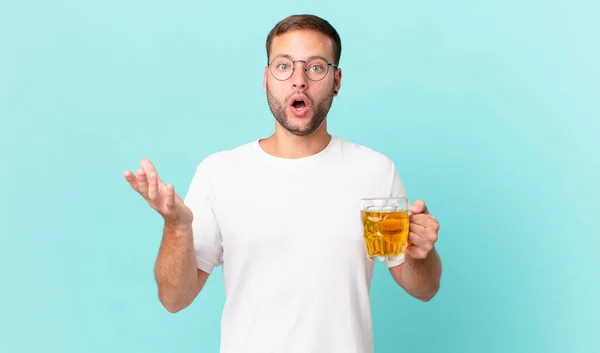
x=282 y=67
x=316 y=68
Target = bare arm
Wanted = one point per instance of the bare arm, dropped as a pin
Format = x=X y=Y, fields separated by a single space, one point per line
x=178 y=279
x=421 y=271
x=419 y=277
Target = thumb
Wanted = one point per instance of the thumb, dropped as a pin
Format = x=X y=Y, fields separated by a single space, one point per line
x=419 y=207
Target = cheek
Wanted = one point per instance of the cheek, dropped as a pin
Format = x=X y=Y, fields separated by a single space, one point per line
x=322 y=93
x=278 y=91
x=275 y=95
x=273 y=86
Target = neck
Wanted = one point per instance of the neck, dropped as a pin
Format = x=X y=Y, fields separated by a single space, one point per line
x=284 y=144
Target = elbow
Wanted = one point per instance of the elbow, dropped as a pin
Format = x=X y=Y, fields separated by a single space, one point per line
x=426 y=297
x=173 y=308
x=171 y=304
x=175 y=299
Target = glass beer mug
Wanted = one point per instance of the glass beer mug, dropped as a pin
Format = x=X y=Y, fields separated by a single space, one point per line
x=385 y=224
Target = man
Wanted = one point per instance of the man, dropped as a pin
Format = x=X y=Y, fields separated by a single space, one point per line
x=281 y=215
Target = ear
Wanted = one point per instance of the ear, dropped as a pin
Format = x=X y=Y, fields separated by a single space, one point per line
x=337 y=81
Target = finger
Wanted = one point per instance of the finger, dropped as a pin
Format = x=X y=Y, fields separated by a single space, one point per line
x=152 y=186
x=149 y=168
x=170 y=196
x=420 y=219
x=420 y=241
x=426 y=233
x=416 y=252
x=131 y=179
x=417 y=228
x=142 y=182
x=425 y=220
x=418 y=207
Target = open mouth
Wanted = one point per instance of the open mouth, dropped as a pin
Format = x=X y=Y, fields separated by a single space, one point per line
x=299 y=104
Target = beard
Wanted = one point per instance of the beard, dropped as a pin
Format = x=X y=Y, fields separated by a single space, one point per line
x=319 y=113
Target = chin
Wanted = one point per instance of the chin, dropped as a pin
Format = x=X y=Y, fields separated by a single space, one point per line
x=301 y=126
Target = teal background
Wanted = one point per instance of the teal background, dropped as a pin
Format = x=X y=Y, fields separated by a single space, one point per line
x=489 y=108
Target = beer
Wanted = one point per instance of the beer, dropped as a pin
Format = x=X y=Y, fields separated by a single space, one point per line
x=385 y=232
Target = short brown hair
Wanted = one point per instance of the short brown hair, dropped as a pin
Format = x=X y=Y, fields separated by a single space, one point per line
x=312 y=22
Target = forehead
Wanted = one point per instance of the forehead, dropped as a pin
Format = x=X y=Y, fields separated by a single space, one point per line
x=302 y=44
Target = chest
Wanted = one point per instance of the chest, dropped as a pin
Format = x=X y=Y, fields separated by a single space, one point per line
x=276 y=212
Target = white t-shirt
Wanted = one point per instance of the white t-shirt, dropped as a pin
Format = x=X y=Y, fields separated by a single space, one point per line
x=288 y=235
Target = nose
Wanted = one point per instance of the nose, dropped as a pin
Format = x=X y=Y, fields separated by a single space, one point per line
x=298 y=78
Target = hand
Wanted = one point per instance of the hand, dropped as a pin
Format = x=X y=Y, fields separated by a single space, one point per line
x=160 y=196
x=423 y=231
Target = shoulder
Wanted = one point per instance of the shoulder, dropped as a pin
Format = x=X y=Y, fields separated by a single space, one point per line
x=218 y=162
x=365 y=156
x=374 y=170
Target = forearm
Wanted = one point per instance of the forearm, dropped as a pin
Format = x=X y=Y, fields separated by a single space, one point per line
x=421 y=278
x=175 y=268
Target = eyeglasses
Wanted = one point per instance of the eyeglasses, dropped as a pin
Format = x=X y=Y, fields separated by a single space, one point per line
x=316 y=69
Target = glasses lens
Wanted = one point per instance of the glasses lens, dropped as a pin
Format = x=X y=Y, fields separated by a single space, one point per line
x=316 y=69
x=282 y=68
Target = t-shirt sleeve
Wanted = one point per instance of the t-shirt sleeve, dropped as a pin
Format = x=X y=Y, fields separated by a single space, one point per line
x=396 y=190
x=208 y=243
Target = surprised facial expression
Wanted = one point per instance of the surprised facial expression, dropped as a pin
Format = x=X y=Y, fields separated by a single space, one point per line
x=299 y=82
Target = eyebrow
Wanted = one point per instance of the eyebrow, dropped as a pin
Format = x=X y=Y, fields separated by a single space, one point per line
x=307 y=59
